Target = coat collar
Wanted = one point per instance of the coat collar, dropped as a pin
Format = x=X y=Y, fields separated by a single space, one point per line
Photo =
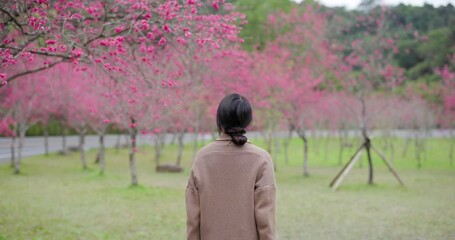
x=224 y=137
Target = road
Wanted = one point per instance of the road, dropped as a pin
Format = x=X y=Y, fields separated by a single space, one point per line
x=35 y=145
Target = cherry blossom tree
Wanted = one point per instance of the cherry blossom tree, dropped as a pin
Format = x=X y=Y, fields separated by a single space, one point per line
x=95 y=31
x=130 y=40
x=447 y=94
x=24 y=105
x=79 y=89
x=100 y=113
x=369 y=70
x=293 y=67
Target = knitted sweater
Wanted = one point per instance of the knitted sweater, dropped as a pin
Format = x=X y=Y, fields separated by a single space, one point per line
x=231 y=193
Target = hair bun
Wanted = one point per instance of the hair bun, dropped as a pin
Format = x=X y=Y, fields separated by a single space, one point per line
x=239 y=140
x=237 y=136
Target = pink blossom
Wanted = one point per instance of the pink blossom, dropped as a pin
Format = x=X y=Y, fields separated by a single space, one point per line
x=119 y=29
x=77 y=16
x=216 y=6
x=63 y=48
x=162 y=41
x=106 y=121
x=145 y=25
x=166 y=28
x=181 y=40
x=150 y=35
x=77 y=53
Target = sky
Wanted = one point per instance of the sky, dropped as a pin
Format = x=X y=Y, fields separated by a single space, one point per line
x=350 y=4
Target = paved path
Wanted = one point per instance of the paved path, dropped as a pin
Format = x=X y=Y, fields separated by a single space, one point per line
x=35 y=145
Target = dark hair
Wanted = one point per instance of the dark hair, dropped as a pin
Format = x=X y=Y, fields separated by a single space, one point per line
x=234 y=114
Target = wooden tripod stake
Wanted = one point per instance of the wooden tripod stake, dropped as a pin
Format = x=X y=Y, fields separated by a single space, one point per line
x=336 y=182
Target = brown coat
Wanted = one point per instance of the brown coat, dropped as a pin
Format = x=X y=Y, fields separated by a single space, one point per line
x=231 y=193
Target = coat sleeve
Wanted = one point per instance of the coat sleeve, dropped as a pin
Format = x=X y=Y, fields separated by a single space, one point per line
x=265 y=201
x=192 y=209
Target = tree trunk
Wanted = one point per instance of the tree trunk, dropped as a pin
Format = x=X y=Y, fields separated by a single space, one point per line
x=101 y=153
x=405 y=148
x=276 y=148
x=180 y=147
x=452 y=144
x=317 y=136
x=195 y=141
x=392 y=147
x=286 y=143
x=423 y=147
x=392 y=152
x=13 y=151
x=302 y=136
x=340 y=153
x=174 y=136
x=196 y=131
x=132 y=159
x=326 y=146
x=46 y=141
x=385 y=147
x=17 y=165
x=81 y=148
x=64 y=147
x=157 y=146
x=268 y=140
x=417 y=151
x=366 y=141
x=370 y=162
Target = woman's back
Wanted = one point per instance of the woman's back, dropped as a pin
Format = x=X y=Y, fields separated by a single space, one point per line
x=231 y=188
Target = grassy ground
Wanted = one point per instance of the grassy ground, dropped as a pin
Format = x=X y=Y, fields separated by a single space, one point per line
x=55 y=199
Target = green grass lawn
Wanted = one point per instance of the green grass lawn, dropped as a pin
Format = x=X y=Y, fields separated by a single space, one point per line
x=54 y=199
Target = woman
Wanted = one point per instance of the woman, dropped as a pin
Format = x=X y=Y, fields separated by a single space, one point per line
x=231 y=188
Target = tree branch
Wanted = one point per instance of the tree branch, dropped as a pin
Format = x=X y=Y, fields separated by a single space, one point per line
x=48 y=54
x=13 y=19
x=8 y=80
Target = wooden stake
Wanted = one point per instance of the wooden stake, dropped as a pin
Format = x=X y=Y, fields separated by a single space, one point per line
x=348 y=169
x=353 y=159
x=387 y=163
